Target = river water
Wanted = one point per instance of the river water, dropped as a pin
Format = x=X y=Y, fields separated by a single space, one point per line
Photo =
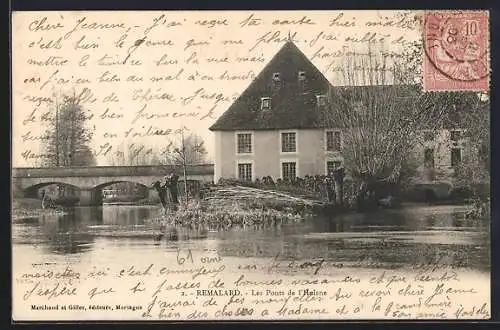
x=386 y=239
x=345 y=262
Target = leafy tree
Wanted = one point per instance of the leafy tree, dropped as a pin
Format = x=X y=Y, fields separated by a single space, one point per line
x=68 y=138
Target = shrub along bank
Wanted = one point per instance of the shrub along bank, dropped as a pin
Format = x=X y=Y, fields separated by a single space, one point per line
x=30 y=208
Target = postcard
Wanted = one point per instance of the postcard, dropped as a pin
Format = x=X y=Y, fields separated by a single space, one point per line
x=250 y=165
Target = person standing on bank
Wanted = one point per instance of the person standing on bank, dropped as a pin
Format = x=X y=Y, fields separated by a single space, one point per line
x=161 y=193
x=166 y=188
x=172 y=186
x=330 y=187
x=338 y=176
x=43 y=199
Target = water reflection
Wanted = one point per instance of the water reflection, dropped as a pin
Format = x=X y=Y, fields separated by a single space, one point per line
x=66 y=234
x=416 y=218
x=391 y=238
x=125 y=215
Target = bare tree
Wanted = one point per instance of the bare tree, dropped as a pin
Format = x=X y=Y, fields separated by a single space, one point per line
x=474 y=125
x=117 y=156
x=134 y=154
x=187 y=150
x=381 y=113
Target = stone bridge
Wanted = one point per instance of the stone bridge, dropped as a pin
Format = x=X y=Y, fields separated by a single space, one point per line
x=90 y=181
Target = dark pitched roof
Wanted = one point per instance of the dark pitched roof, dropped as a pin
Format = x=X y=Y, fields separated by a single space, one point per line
x=293 y=104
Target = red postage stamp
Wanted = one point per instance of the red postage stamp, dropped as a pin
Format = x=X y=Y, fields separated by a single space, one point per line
x=456 y=54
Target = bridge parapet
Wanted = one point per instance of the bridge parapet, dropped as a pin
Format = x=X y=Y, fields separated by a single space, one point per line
x=110 y=171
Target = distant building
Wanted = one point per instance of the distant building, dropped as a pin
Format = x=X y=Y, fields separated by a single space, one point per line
x=277 y=127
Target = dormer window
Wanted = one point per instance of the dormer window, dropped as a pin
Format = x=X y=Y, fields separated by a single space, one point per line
x=302 y=75
x=265 y=103
x=321 y=100
x=276 y=77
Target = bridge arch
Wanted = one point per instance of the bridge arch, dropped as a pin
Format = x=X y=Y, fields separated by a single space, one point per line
x=106 y=184
x=33 y=190
x=97 y=191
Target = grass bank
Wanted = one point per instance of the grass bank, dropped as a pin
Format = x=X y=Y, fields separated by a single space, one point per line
x=30 y=208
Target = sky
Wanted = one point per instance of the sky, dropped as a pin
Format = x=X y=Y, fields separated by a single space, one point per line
x=143 y=76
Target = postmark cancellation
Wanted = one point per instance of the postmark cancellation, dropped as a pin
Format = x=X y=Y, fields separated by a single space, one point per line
x=456 y=56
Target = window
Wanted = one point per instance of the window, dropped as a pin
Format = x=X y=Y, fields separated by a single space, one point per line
x=321 y=100
x=276 y=77
x=289 y=170
x=483 y=155
x=265 y=103
x=288 y=142
x=245 y=171
x=429 y=158
x=244 y=143
x=455 y=136
x=428 y=136
x=456 y=156
x=332 y=165
x=333 y=141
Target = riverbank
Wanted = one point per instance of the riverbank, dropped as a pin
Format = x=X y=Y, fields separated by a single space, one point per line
x=30 y=208
x=224 y=207
x=230 y=206
x=137 y=203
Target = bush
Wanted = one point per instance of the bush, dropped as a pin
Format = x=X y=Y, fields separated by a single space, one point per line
x=123 y=199
x=481 y=190
x=66 y=200
x=214 y=216
x=479 y=210
x=461 y=193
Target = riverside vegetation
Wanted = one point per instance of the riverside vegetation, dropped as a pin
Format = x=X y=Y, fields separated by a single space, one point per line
x=218 y=213
x=226 y=207
x=31 y=208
